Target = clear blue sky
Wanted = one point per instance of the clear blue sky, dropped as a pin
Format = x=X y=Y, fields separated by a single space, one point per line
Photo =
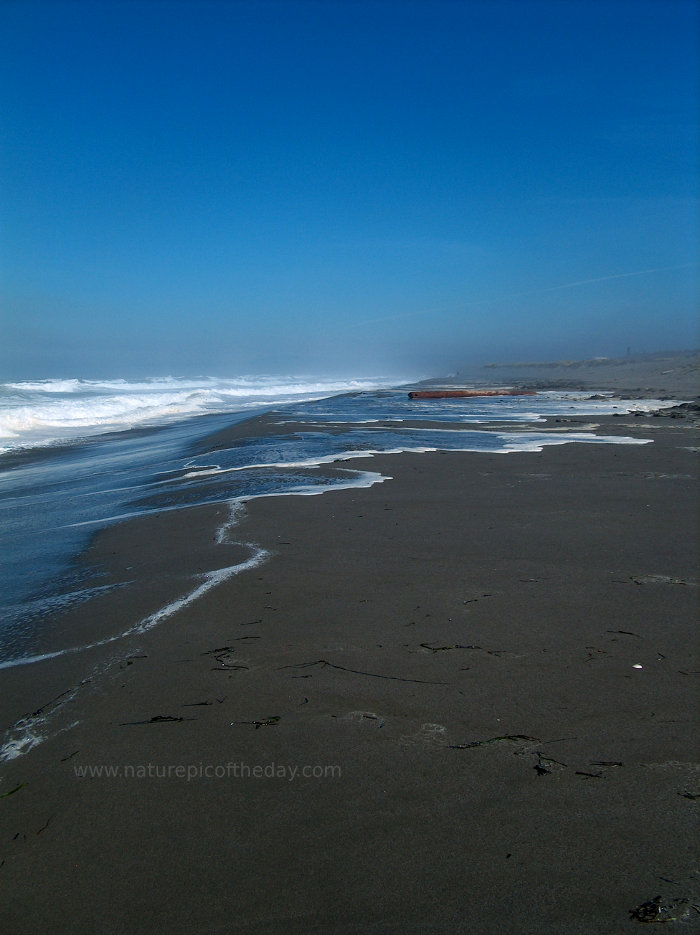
x=337 y=187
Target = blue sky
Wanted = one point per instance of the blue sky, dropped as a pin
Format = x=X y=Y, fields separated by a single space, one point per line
x=344 y=187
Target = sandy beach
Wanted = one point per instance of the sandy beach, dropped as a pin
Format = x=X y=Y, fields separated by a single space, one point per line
x=349 y=463
x=463 y=700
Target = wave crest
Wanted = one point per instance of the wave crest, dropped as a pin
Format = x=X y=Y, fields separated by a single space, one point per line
x=42 y=412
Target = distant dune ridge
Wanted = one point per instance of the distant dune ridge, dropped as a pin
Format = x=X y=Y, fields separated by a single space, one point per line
x=665 y=373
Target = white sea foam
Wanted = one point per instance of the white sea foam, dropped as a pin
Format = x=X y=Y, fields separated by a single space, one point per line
x=42 y=412
x=30 y=731
x=236 y=509
x=514 y=441
x=533 y=442
x=24 y=737
x=211 y=580
x=252 y=384
x=313 y=462
x=362 y=479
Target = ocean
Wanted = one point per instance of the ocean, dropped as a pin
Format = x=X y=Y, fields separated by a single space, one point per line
x=78 y=456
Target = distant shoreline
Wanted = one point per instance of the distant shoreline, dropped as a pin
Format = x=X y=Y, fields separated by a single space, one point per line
x=664 y=374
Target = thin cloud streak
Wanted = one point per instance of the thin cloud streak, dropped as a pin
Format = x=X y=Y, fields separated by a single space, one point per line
x=518 y=295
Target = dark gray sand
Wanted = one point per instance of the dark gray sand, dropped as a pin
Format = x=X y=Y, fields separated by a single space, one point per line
x=462 y=700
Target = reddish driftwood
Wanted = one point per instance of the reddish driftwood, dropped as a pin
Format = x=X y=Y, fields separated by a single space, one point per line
x=448 y=394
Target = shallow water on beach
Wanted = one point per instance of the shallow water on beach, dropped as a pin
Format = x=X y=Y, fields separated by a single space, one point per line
x=52 y=500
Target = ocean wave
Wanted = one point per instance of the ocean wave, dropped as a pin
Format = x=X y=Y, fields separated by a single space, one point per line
x=43 y=412
x=240 y=385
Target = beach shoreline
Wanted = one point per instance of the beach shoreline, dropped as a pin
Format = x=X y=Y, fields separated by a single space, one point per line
x=486 y=663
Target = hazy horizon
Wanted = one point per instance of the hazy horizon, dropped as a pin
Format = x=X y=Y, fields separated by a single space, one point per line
x=464 y=368
x=377 y=188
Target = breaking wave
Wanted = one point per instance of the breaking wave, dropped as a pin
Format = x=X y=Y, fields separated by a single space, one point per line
x=43 y=412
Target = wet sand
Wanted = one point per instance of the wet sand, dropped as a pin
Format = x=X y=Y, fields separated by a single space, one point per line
x=462 y=700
